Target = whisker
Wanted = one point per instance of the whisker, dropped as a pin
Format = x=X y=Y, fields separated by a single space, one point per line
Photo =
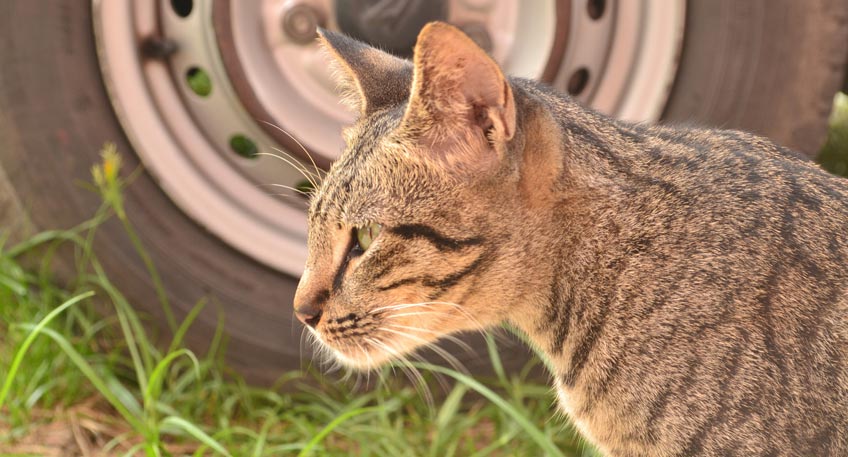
x=302 y=147
x=410 y=305
x=477 y=326
x=303 y=171
x=293 y=189
x=370 y=362
x=450 y=359
x=373 y=343
x=408 y=368
x=288 y=196
x=416 y=313
x=302 y=343
x=285 y=156
x=462 y=344
x=457 y=307
x=502 y=336
x=314 y=174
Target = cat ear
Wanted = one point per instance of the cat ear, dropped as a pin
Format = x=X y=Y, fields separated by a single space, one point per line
x=370 y=79
x=456 y=83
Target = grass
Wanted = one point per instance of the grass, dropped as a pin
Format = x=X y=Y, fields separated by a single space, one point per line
x=833 y=157
x=77 y=380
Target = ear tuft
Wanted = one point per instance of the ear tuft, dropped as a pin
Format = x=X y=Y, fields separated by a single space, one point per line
x=369 y=79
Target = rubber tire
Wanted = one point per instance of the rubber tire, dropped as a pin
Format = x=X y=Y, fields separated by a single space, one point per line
x=767 y=66
x=55 y=116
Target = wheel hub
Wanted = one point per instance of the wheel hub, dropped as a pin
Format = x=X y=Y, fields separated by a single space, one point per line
x=391 y=25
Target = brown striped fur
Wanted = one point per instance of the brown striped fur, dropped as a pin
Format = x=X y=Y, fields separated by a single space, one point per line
x=688 y=286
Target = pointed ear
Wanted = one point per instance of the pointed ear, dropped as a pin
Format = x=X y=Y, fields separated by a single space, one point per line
x=456 y=83
x=370 y=79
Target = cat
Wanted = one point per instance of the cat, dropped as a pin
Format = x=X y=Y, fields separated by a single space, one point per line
x=689 y=287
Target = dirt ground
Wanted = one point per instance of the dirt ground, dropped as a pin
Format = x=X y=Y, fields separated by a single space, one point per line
x=84 y=430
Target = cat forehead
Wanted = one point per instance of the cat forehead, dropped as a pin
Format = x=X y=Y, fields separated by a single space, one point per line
x=365 y=167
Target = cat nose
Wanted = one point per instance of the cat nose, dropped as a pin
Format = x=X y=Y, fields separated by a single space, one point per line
x=308 y=308
x=309 y=316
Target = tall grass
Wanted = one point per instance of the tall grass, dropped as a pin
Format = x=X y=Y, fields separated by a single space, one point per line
x=57 y=352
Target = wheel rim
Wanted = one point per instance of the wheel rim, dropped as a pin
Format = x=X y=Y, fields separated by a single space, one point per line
x=208 y=98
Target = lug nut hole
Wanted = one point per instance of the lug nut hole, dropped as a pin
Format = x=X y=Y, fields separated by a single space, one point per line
x=182 y=7
x=305 y=188
x=578 y=81
x=199 y=81
x=243 y=146
x=596 y=8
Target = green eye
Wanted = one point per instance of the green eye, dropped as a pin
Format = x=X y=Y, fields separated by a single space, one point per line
x=365 y=235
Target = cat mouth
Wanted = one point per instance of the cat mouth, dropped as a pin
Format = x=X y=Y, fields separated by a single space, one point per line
x=370 y=353
x=370 y=340
x=367 y=349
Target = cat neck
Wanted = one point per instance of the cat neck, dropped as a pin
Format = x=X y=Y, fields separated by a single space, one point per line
x=590 y=231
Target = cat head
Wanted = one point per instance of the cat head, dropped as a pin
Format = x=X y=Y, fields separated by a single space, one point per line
x=420 y=228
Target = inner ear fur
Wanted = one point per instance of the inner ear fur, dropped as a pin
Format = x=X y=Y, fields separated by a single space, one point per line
x=369 y=78
x=455 y=83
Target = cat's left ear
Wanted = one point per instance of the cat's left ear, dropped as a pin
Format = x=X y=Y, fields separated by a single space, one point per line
x=456 y=83
x=370 y=79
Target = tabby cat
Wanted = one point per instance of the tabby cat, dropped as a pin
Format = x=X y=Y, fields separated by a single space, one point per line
x=688 y=286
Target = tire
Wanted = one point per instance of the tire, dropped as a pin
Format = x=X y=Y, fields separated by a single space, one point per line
x=770 y=67
x=55 y=115
x=54 y=118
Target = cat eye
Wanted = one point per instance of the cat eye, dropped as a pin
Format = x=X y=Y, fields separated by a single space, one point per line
x=365 y=235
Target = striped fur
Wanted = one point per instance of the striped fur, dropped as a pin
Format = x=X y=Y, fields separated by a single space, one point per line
x=688 y=286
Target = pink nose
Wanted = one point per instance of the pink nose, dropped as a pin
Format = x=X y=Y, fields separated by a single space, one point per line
x=308 y=307
x=308 y=316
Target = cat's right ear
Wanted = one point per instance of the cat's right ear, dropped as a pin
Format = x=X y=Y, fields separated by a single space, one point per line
x=369 y=79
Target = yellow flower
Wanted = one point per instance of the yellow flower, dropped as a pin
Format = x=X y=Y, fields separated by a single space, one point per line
x=111 y=163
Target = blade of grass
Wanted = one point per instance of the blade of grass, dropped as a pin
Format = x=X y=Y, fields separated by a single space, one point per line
x=530 y=344
x=154 y=384
x=139 y=347
x=332 y=425
x=110 y=186
x=133 y=451
x=179 y=335
x=89 y=373
x=260 y=444
x=540 y=438
x=158 y=285
x=48 y=237
x=197 y=433
x=16 y=287
x=36 y=329
x=498 y=443
x=124 y=395
x=495 y=358
x=450 y=406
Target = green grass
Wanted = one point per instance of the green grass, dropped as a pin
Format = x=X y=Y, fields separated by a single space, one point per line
x=67 y=365
x=834 y=155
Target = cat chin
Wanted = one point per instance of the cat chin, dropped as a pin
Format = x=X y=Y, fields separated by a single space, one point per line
x=359 y=362
x=355 y=357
